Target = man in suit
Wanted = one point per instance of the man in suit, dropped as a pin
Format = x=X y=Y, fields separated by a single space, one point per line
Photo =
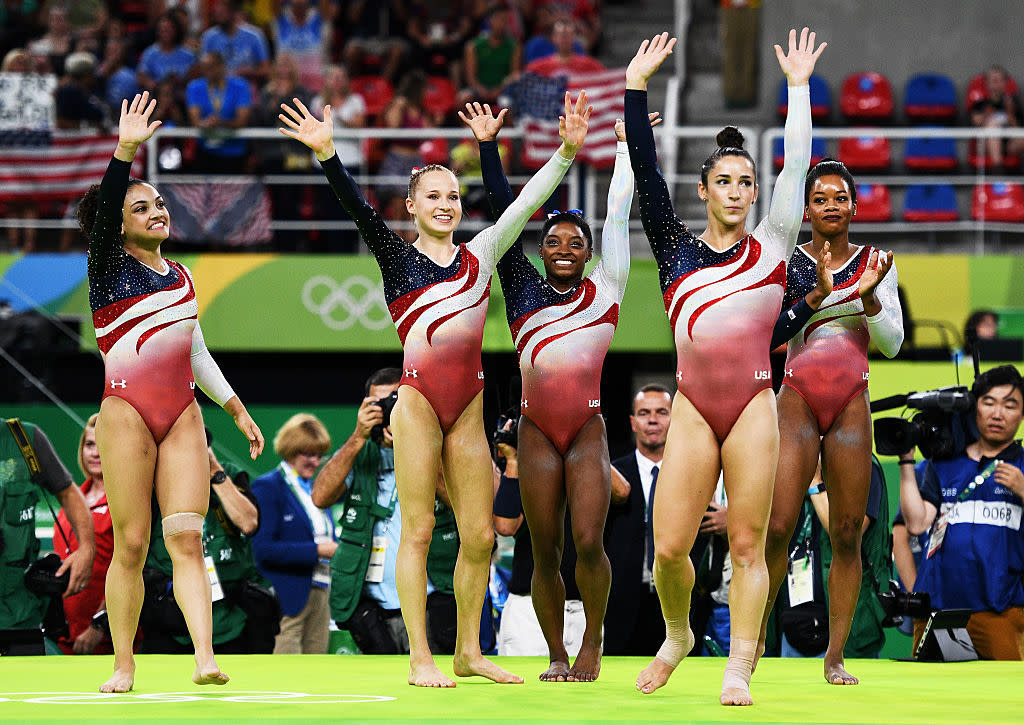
x=633 y=624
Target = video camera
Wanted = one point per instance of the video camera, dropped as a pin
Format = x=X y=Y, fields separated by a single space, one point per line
x=898 y=604
x=386 y=404
x=939 y=429
x=509 y=437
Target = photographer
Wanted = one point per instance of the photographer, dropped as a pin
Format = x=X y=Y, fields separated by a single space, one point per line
x=971 y=506
x=364 y=588
x=27 y=463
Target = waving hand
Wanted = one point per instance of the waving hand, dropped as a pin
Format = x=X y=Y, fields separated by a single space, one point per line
x=572 y=127
x=484 y=124
x=303 y=126
x=798 y=63
x=135 y=128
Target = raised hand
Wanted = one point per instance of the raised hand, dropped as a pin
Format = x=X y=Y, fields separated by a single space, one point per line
x=878 y=266
x=303 y=126
x=135 y=128
x=620 y=125
x=647 y=60
x=484 y=124
x=798 y=63
x=572 y=127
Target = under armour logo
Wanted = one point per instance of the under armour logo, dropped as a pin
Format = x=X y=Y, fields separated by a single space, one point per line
x=192 y=385
x=480 y=375
x=525 y=404
x=412 y=373
x=594 y=403
x=679 y=375
x=864 y=376
x=791 y=314
x=122 y=384
x=762 y=375
x=789 y=372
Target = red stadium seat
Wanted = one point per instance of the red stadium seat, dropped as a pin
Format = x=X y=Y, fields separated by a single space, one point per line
x=375 y=90
x=977 y=89
x=866 y=97
x=439 y=96
x=873 y=203
x=998 y=202
x=435 y=151
x=865 y=153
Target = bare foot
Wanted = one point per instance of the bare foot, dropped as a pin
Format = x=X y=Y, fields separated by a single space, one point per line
x=122 y=681
x=653 y=676
x=587 y=665
x=736 y=696
x=557 y=672
x=426 y=674
x=836 y=674
x=479 y=665
x=210 y=675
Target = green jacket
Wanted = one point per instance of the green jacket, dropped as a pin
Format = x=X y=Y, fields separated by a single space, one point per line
x=19 y=608
x=360 y=512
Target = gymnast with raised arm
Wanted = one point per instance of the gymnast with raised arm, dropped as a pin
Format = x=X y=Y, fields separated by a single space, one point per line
x=723 y=292
x=437 y=293
x=839 y=296
x=150 y=429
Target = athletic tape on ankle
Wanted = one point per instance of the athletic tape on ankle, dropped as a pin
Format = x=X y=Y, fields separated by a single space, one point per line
x=180 y=523
x=678 y=641
x=740 y=664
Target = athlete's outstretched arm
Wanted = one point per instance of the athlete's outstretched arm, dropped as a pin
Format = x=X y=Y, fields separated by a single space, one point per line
x=485 y=126
x=304 y=127
x=782 y=224
x=878 y=290
x=614 y=263
x=133 y=129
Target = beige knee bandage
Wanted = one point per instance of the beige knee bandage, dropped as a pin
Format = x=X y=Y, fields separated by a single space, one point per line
x=180 y=523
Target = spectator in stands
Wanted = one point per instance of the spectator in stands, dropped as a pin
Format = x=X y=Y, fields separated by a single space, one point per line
x=117 y=79
x=438 y=32
x=406 y=110
x=167 y=57
x=283 y=86
x=971 y=507
x=565 y=59
x=58 y=42
x=77 y=104
x=584 y=14
x=999 y=109
x=86 y=610
x=299 y=31
x=296 y=540
x=17 y=60
x=359 y=22
x=540 y=45
x=492 y=59
x=242 y=46
x=980 y=325
x=218 y=103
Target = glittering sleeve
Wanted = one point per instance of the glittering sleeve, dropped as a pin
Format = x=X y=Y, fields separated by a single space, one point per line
x=490 y=244
x=662 y=226
x=371 y=225
x=790 y=322
x=614 y=265
x=782 y=225
x=886 y=328
x=106 y=250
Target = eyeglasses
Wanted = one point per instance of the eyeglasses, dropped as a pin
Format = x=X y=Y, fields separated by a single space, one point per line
x=556 y=212
x=311 y=454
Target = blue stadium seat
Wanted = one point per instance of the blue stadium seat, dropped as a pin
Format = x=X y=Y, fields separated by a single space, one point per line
x=930 y=154
x=930 y=98
x=821 y=99
x=818 y=152
x=930 y=203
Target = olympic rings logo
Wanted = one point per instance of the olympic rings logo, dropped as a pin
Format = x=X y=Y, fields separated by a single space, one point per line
x=154 y=698
x=340 y=306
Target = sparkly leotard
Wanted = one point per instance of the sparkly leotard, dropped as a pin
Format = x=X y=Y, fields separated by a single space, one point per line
x=439 y=311
x=827 y=361
x=145 y=320
x=722 y=305
x=562 y=337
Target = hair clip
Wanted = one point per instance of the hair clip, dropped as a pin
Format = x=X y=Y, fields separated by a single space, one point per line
x=556 y=212
x=415 y=169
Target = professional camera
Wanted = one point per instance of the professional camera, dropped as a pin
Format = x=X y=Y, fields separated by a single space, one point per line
x=939 y=430
x=898 y=604
x=386 y=404
x=41 y=576
x=509 y=437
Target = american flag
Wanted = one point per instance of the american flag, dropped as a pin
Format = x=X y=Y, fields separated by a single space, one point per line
x=47 y=166
x=539 y=101
x=234 y=214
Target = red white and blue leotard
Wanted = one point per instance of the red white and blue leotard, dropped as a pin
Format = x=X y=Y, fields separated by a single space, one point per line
x=439 y=311
x=827 y=361
x=562 y=338
x=722 y=305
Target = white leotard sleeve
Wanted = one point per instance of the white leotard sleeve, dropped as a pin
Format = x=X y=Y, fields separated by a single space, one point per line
x=886 y=328
x=614 y=264
x=206 y=371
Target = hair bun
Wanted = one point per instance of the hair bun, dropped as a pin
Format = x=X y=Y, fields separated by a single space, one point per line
x=730 y=137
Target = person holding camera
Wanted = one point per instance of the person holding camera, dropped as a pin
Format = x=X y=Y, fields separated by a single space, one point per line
x=28 y=463
x=295 y=541
x=971 y=507
x=364 y=589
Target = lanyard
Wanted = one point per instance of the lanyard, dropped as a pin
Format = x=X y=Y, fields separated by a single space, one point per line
x=323 y=527
x=977 y=481
x=216 y=100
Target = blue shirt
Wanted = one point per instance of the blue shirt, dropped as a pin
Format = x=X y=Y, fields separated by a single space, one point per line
x=225 y=104
x=247 y=46
x=157 y=64
x=981 y=561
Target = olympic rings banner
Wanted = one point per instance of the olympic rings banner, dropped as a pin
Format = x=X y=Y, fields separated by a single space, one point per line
x=274 y=302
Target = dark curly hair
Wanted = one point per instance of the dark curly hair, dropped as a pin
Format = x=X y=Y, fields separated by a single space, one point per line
x=730 y=143
x=86 y=213
x=573 y=218
x=829 y=166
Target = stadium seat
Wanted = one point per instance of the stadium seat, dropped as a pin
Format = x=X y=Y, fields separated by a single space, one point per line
x=865 y=153
x=930 y=154
x=930 y=98
x=931 y=203
x=977 y=89
x=375 y=90
x=439 y=96
x=866 y=97
x=873 y=203
x=998 y=202
x=435 y=151
x=821 y=99
x=818 y=152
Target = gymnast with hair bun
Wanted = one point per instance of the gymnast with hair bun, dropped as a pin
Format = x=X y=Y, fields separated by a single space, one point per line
x=437 y=294
x=723 y=292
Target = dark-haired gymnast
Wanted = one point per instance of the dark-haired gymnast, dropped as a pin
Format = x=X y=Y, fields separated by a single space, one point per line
x=437 y=293
x=723 y=292
x=150 y=429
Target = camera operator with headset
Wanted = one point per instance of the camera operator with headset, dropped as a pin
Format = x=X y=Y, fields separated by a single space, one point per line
x=364 y=591
x=27 y=464
x=971 y=506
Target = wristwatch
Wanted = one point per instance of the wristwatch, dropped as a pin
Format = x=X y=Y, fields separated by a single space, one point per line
x=100 y=622
x=218 y=477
